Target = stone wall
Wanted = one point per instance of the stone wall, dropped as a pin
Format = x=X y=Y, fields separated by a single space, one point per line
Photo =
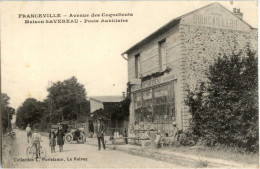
x=202 y=45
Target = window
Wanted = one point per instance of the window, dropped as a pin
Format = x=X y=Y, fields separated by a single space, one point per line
x=138 y=107
x=155 y=105
x=162 y=55
x=137 y=65
x=163 y=104
x=147 y=106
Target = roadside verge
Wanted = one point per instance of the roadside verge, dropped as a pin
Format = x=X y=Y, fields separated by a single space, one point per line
x=173 y=157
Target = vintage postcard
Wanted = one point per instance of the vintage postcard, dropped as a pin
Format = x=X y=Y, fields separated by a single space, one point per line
x=129 y=84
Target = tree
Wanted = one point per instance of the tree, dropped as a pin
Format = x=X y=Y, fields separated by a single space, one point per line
x=7 y=112
x=225 y=109
x=112 y=111
x=31 y=112
x=99 y=113
x=66 y=99
x=121 y=112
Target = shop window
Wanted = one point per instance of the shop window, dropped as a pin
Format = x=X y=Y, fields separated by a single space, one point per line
x=147 y=106
x=162 y=55
x=138 y=107
x=137 y=65
x=155 y=105
x=163 y=104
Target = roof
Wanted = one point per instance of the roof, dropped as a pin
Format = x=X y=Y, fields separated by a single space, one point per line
x=164 y=28
x=173 y=23
x=110 y=99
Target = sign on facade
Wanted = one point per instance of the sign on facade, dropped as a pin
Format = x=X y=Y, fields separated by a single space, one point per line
x=153 y=82
x=135 y=81
x=215 y=17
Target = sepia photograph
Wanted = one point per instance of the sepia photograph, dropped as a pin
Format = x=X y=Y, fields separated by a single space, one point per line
x=129 y=84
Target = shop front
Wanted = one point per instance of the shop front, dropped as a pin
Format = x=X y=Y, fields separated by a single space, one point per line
x=154 y=105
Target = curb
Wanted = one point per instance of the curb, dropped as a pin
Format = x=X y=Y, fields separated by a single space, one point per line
x=178 y=158
x=149 y=154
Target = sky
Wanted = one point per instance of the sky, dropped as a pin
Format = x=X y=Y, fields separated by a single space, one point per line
x=33 y=55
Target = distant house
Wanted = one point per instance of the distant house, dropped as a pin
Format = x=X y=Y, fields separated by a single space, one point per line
x=100 y=102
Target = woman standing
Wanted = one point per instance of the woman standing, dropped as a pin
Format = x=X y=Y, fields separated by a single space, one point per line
x=52 y=138
x=60 y=138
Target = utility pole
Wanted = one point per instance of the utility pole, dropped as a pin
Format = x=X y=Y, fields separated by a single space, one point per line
x=78 y=102
x=50 y=109
x=50 y=102
x=8 y=118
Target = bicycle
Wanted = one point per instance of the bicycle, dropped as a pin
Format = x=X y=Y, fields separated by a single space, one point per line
x=31 y=151
x=12 y=134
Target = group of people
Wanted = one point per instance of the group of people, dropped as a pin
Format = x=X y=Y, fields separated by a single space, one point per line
x=160 y=136
x=58 y=137
x=55 y=138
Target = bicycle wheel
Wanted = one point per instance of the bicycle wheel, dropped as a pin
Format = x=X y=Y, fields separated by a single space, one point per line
x=30 y=152
x=42 y=152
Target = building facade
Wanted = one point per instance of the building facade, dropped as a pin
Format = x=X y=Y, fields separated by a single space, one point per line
x=175 y=58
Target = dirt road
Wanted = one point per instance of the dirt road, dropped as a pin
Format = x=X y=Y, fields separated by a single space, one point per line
x=74 y=156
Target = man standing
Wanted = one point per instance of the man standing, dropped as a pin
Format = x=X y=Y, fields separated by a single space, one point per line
x=28 y=132
x=60 y=138
x=175 y=132
x=100 y=129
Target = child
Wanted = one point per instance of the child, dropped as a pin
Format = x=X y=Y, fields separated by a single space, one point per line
x=158 y=138
x=52 y=138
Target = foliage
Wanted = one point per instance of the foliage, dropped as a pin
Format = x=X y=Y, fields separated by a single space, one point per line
x=188 y=138
x=225 y=109
x=66 y=100
x=156 y=74
x=100 y=113
x=121 y=112
x=117 y=111
x=7 y=112
x=31 y=112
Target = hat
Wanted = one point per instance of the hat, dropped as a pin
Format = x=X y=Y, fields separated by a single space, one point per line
x=174 y=123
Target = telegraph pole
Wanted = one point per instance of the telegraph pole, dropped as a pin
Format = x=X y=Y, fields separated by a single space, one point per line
x=8 y=118
x=50 y=101
x=50 y=109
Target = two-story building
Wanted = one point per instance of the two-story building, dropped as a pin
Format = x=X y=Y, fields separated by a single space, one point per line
x=175 y=57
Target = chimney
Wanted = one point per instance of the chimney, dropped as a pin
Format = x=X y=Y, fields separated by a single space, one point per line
x=123 y=94
x=238 y=13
